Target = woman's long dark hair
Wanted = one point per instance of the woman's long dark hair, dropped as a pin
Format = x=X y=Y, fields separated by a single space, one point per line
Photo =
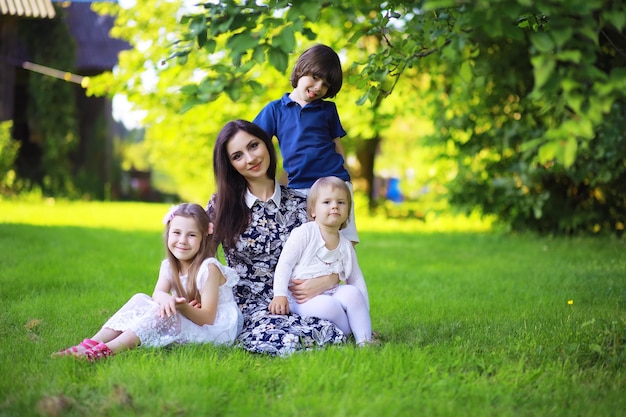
x=232 y=216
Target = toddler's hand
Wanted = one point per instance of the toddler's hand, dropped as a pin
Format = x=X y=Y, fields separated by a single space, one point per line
x=279 y=305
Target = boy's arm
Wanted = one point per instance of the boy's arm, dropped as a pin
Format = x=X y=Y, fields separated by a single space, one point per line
x=340 y=151
x=266 y=120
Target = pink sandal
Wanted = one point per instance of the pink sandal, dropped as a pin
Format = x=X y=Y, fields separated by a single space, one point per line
x=78 y=349
x=100 y=351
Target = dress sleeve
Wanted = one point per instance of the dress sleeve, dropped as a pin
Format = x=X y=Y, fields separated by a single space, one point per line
x=203 y=274
x=165 y=271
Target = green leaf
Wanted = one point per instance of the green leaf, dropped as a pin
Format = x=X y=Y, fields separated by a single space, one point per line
x=547 y=151
x=256 y=87
x=571 y=148
x=569 y=56
x=259 y=54
x=465 y=72
x=242 y=42
x=310 y=35
x=561 y=35
x=542 y=41
x=202 y=39
x=532 y=144
x=210 y=45
x=197 y=26
x=589 y=32
x=182 y=59
x=362 y=100
x=543 y=67
x=311 y=9
x=189 y=104
x=233 y=91
x=575 y=101
x=617 y=19
x=438 y=4
x=285 y=40
x=189 y=89
x=278 y=59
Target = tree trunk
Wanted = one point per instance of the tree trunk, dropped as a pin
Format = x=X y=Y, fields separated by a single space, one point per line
x=366 y=151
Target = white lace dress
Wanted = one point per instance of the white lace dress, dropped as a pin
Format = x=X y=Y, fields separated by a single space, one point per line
x=141 y=315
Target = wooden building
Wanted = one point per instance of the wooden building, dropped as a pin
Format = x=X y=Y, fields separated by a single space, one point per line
x=95 y=52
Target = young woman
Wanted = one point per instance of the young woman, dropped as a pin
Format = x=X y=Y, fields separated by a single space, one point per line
x=253 y=216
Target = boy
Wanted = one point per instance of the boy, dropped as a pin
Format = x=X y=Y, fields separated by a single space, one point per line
x=307 y=127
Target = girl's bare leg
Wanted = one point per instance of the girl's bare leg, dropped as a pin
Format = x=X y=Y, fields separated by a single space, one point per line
x=124 y=341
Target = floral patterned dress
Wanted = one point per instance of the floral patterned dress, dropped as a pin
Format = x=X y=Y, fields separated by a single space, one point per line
x=254 y=257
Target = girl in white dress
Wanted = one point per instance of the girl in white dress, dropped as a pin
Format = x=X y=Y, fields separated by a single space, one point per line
x=192 y=301
x=317 y=248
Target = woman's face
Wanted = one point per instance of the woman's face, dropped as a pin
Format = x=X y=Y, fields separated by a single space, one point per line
x=248 y=155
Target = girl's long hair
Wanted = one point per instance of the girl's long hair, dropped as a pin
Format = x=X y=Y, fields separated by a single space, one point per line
x=231 y=215
x=208 y=247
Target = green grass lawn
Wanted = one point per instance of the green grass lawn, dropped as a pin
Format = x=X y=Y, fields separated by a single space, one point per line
x=473 y=322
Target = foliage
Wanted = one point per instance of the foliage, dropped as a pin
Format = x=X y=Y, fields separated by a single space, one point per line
x=51 y=104
x=179 y=137
x=178 y=144
x=473 y=323
x=536 y=79
x=8 y=153
x=518 y=94
x=527 y=148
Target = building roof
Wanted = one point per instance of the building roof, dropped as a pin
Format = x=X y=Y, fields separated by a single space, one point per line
x=27 y=8
x=95 y=49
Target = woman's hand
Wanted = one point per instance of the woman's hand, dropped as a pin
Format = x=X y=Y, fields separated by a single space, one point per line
x=305 y=289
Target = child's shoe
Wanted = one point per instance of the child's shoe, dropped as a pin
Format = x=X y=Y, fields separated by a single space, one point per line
x=77 y=350
x=100 y=351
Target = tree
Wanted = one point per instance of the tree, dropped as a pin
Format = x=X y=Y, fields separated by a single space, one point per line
x=520 y=92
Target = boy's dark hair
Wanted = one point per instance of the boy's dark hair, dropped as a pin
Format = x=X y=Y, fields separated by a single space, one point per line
x=319 y=61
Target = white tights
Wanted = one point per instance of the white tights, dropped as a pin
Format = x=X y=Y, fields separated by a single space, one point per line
x=346 y=308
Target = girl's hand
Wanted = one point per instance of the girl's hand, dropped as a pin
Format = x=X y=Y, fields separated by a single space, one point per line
x=180 y=301
x=305 y=289
x=279 y=305
x=195 y=304
x=167 y=304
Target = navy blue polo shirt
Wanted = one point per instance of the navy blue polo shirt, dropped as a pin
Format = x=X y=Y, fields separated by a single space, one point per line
x=305 y=138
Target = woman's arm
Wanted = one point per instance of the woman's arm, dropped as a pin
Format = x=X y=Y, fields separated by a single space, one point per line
x=305 y=289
